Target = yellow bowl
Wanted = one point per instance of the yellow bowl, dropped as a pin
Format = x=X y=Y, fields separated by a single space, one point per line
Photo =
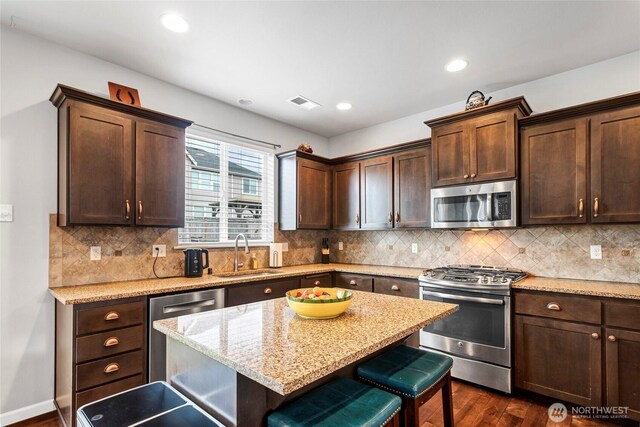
x=319 y=308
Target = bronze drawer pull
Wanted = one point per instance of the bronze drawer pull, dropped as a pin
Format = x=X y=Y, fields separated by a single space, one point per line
x=140 y=209
x=473 y=175
x=395 y=288
x=612 y=338
x=127 y=209
x=299 y=218
x=316 y=283
x=595 y=335
x=397 y=217
x=581 y=208
x=358 y=219
x=111 y=341
x=267 y=290
x=112 y=315
x=553 y=306
x=111 y=367
x=466 y=175
x=596 y=207
x=353 y=283
x=390 y=218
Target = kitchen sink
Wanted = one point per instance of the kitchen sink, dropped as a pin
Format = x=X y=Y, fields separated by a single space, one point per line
x=248 y=273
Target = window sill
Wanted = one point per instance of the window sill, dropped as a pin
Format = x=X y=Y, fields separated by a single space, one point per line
x=221 y=245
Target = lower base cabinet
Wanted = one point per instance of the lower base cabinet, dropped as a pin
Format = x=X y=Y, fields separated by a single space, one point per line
x=588 y=356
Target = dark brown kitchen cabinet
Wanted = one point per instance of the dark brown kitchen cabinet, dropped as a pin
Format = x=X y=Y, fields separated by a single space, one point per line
x=615 y=160
x=623 y=369
x=357 y=282
x=305 y=192
x=118 y=164
x=376 y=193
x=396 y=286
x=553 y=159
x=559 y=359
x=100 y=349
x=260 y=291
x=346 y=196
x=411 y=188
x=477 y=145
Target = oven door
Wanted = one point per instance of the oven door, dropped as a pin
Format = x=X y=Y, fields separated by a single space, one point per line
x=479 y=330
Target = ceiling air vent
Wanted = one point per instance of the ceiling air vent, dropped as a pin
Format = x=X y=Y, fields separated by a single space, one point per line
x=303 y=102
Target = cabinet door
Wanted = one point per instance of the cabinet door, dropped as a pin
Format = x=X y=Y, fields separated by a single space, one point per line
x=314 y=195
x=376 y=183
x=346 y=196
x=623 y=370
x=450 y=147
x=615 y=159
x=559 y=359
x=100 y=166
x=553 y=178
x=412 y=186
x=492 y=147
x=160 y=159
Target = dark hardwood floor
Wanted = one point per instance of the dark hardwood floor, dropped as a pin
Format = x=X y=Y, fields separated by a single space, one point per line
x=473 y=406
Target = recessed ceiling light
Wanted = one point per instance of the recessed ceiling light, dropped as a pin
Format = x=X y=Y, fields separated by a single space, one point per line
x=245 y=101
x=343 y=106
x=456 y=65
x=174 y=22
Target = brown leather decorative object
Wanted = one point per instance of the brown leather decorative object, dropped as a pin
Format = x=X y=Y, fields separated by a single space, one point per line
x=127 y=95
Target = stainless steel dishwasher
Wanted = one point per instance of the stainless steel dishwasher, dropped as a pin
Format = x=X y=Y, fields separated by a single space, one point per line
x=173 y=306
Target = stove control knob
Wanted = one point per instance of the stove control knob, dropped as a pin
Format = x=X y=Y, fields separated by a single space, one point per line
x=495 y=278
x=485 y=279
x=460 y=344
x=505 y=280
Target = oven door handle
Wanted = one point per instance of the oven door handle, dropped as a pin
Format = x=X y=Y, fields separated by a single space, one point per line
x=463 y=298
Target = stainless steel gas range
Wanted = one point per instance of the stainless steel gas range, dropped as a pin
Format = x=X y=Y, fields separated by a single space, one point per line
x=478 y=335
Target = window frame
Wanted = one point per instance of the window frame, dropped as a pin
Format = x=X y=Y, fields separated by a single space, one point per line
x=250 y=181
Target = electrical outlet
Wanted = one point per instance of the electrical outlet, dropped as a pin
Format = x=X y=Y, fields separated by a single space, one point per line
x=6 y=213
x=96 y=253
x=161 y=251
x=414 y=248
x=596 y=252
x=340 y=246
x=285 y=247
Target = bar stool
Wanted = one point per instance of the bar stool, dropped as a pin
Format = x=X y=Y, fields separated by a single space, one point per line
x=341 y=402
x=415 y=375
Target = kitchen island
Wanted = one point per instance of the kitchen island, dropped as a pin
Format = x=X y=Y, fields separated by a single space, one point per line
x=241 y=362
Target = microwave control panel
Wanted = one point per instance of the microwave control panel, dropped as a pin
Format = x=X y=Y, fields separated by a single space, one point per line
x=501 y=206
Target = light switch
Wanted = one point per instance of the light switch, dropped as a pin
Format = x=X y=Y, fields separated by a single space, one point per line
x=596 y=252
x=285 y=247
x=6 y=213
x=96 y=253
x=414 y=248
x=340 y=246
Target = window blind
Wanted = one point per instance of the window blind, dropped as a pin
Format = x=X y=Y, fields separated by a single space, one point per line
x=229 y=190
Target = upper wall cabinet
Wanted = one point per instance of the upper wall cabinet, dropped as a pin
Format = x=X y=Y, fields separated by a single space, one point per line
x=117 y=164
x=580 y=164
x=477 y=145
x=305 y=192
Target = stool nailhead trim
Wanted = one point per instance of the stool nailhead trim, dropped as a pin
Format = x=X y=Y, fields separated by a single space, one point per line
x=393 y=390
x=390 y=417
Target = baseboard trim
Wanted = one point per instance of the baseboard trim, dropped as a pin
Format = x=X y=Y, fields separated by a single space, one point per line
x=26 y=412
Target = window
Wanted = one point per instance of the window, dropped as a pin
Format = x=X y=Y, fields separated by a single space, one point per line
x=229 y=190
x=205 y=180
x=249 y=186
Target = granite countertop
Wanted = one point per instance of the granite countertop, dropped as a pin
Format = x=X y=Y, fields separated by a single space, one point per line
x=134 y=288
x=267 y=342
x=580 y=287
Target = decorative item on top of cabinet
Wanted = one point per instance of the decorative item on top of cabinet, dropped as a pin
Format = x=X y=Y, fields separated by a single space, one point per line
x=99 y=142
x=579 y=164
x=305 y=191
x=477 y=145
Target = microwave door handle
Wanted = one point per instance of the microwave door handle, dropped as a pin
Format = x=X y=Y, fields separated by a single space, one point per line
x=464 y=298
x=489 y=207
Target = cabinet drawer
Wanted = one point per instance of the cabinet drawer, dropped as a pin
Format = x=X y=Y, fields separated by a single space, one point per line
x=96 y=393
x=322 y=280
x=395 y=286
x=354 y=281
x=622 y=315
x=246 y=294
x=109 y=343
x=107 y=317
x=91 y=374
x=557 y=306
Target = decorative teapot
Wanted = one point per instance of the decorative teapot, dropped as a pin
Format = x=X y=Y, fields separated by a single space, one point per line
x=475 y=100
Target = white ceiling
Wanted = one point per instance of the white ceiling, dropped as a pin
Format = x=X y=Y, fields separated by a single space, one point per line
x=386 y=58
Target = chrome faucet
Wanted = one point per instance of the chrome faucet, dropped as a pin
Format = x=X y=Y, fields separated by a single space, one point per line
x=236 y=264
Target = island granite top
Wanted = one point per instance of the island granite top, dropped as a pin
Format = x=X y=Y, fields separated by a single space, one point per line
x=268 y=343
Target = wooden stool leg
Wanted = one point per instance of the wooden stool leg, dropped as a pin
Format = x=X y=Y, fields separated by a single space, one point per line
x=410 y=413
x=447 y=401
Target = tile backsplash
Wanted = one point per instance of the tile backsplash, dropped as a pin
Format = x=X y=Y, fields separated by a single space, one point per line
x=560 y=251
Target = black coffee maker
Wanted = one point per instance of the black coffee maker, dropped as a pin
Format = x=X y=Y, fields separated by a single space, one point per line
x=193 y=266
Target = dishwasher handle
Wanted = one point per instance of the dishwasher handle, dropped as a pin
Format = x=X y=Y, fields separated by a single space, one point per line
x=188 y=306
x=464 y=298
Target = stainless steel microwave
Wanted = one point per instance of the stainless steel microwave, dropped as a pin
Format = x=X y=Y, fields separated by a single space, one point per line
x=488 y=205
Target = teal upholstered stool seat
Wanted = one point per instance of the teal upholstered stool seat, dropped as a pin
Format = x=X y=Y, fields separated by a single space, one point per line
x=413 y=374
x=342 y=402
